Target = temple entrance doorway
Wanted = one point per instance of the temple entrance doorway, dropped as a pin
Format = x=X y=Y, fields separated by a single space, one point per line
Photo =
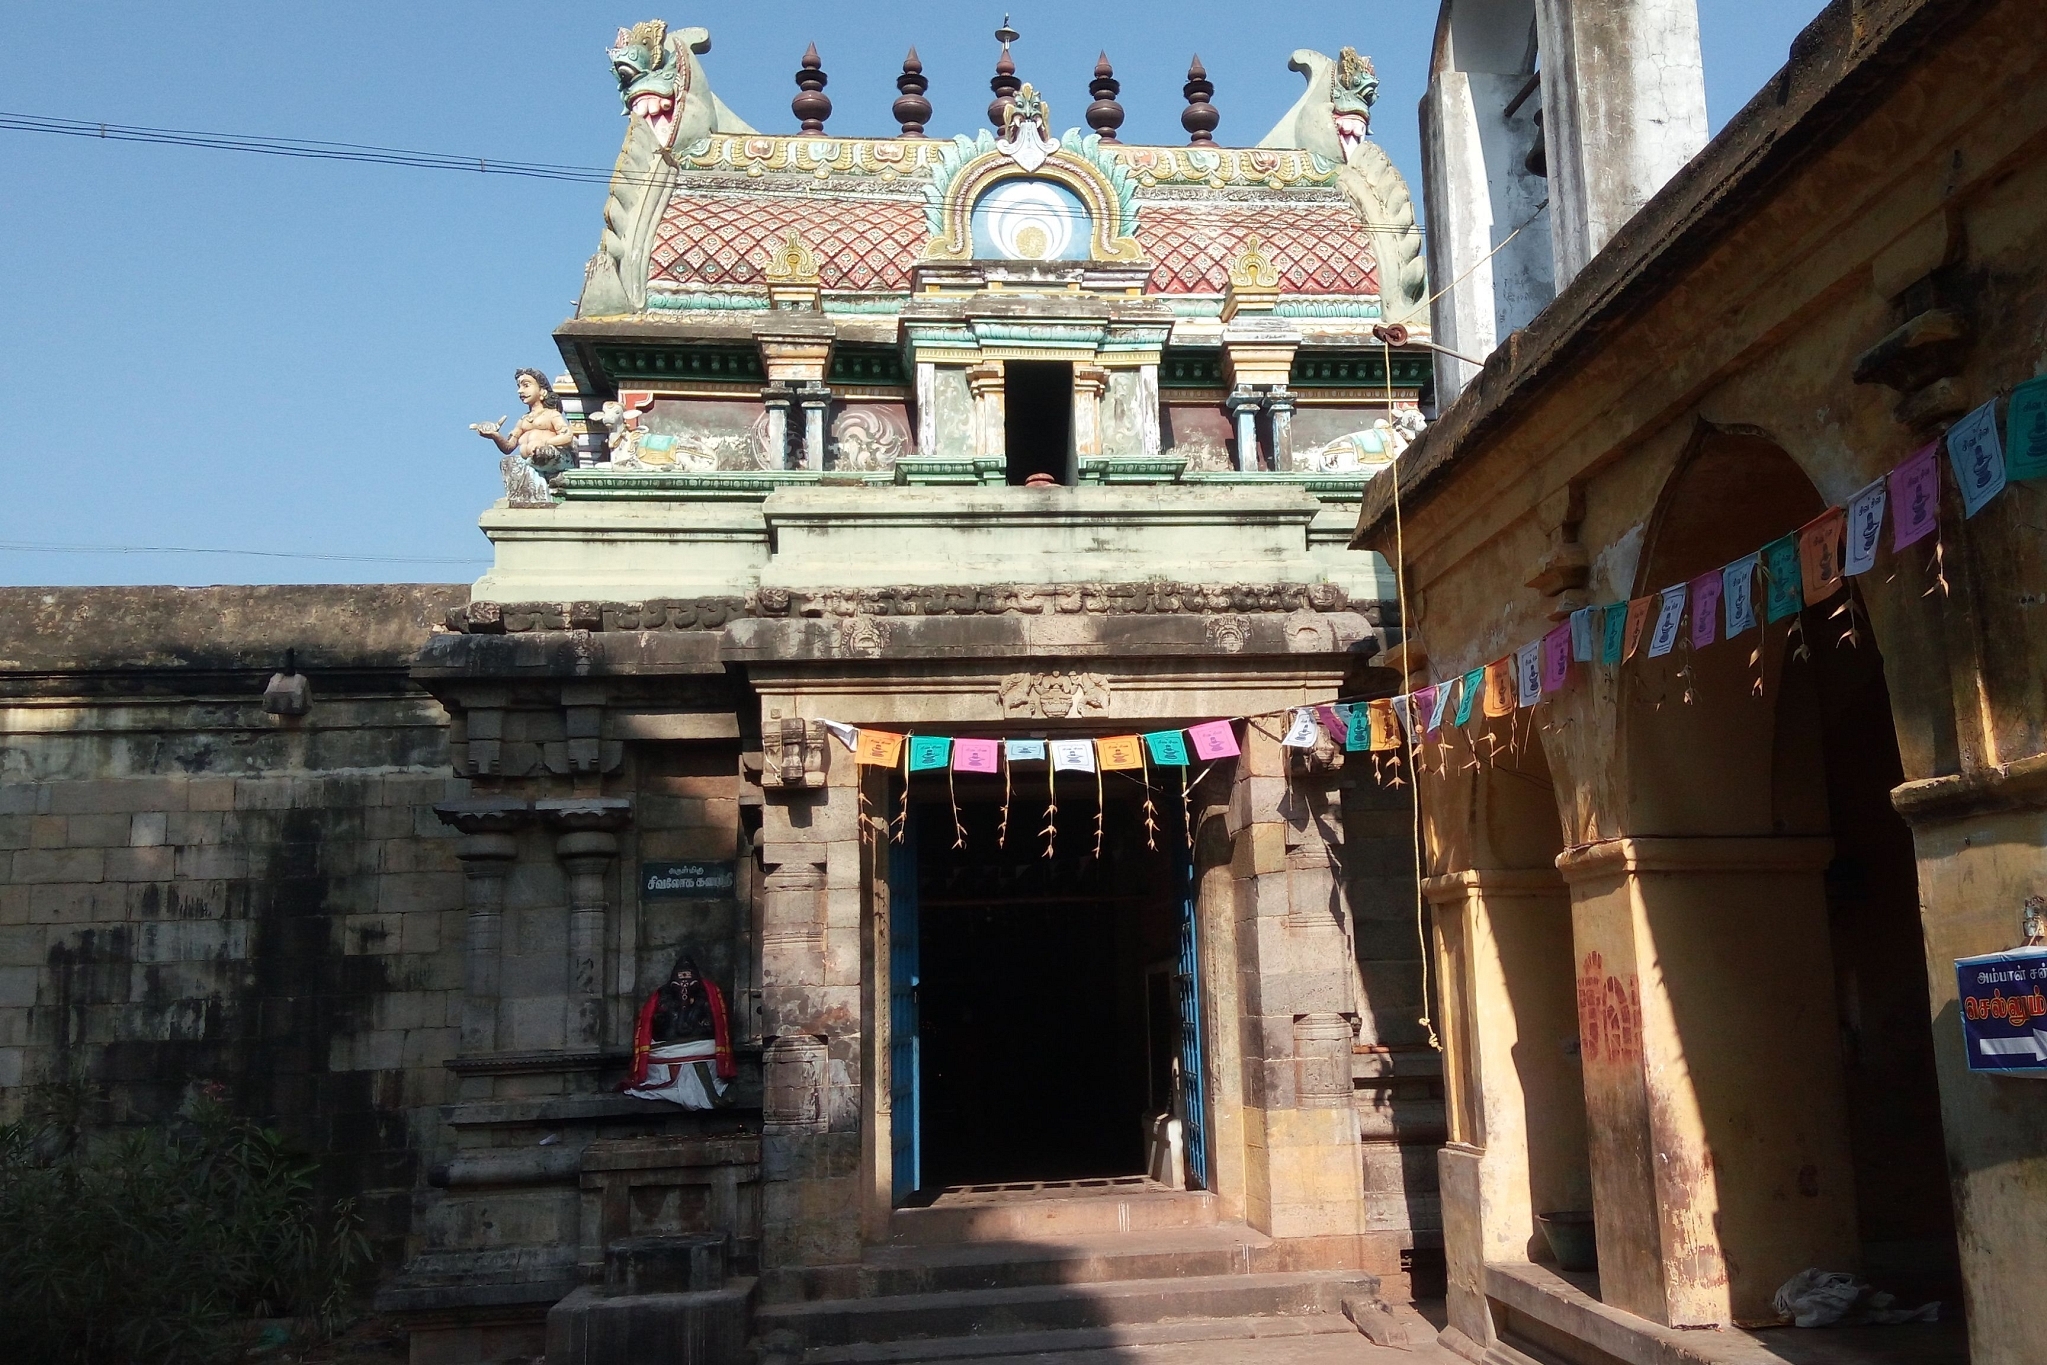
x=1037 y=421
x=1044 y=1009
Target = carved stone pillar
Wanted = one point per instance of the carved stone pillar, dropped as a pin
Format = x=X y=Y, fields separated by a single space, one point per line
x=1148 y=410
x=792 y=944
x=817 y=400
x=1280 y=403
x=793 y=1079
x=985 y=383
x=488 y=850
x=777 y=399
x=1089 y=383
x=1243 y=408
x=1322 y=1061
x=927 y=409
x=587 y=843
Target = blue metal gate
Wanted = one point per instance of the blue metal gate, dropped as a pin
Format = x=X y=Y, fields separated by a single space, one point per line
x=1193 y=1090
x=905 y=1090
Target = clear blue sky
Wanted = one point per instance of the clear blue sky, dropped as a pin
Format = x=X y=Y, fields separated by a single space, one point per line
x=224 y=350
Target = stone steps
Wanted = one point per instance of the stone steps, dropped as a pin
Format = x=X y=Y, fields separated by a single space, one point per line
x=1166 y=1254
x=852 y=1329
x=1136 y=1208
x=1104 y=1343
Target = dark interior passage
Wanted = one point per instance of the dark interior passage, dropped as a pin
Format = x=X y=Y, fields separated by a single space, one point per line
x=1043 y=1041
x=1037 y=423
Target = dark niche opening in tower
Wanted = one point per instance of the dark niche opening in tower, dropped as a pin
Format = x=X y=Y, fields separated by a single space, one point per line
x=1037 y=423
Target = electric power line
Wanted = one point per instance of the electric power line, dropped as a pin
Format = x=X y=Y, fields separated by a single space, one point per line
x=315 y=150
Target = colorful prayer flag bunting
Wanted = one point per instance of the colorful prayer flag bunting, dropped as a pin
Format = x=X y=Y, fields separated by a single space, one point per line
x=1706 y=591
x=1978 y=457
x=1638 y=619
x=1670 y=611
x=1528 y=673
x=929 y=751
x=1468 y=689
x=2025 y=431
x=1168 y=748
x=1613 y=625
x=1738 y=582
x=1359 y=736
x=1119 y=752
x=1301 y=731
x=976 y=756
x=1403 y=711
x=1439 y=705
x=881 y=748
x=1556 y=659
x=1865 y=529
x=1583 y=629
x=1385 y=729
x=1024 y=750
x=1499 y=688
x=1915 y=497
x=1819 y=555
x=842 y=732
x=1213 y=739
x=1782 y=593
x=1073 y=755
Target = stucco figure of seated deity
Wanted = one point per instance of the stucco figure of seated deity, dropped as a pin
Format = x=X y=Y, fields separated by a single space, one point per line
x=682 y=1045
x=536 y=446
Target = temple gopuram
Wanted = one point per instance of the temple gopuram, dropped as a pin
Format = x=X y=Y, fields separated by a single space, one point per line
x=836 y=888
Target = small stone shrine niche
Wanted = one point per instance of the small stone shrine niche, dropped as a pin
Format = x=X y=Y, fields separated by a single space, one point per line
x=793 y=752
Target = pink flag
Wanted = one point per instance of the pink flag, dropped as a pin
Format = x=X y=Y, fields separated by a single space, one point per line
x=1424 y=707
x=1706 y=590
x=1556 y=659
x=1915 y=496
x=1214 y=739
x=975 y=755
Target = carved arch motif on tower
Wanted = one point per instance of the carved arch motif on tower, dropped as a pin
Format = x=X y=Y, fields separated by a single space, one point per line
x=972 y=183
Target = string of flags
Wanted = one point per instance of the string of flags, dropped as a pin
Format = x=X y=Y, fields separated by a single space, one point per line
x=1805 y=568
x=1772 y=584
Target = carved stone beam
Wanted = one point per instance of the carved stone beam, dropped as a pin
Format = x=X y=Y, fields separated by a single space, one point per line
x=586 y=842
x=489 y=847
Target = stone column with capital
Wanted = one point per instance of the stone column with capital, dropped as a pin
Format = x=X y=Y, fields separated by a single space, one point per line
x=985 y=383
x=1280 y=404
x=777 y=399
x=1089 y=383
x=489 y=848
x=816 y=399
x=586 y=843
x=1243 y=407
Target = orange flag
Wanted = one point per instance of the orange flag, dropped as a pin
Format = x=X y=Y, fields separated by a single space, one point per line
x=1819 y=555
x=1638 y=617
x=882 y=748
x=1385 y=729
x=1119 y=751
x=1501 y=694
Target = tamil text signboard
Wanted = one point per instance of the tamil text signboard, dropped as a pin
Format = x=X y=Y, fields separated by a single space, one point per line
x=693 y=881
x=2004 y=1011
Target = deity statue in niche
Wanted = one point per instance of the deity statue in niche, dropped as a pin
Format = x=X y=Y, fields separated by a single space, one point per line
x=536 y=446
x=682 y=1046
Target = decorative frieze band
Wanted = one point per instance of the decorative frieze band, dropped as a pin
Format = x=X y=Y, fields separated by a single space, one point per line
x=1095 y=599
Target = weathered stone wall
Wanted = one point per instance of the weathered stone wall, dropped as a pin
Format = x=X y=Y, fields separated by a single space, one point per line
x=198 y=891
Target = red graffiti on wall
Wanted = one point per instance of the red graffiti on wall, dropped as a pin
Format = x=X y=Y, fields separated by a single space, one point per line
x=1609 y=1013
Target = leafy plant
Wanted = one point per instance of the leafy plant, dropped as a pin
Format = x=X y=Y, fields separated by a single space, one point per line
x=158 y=1244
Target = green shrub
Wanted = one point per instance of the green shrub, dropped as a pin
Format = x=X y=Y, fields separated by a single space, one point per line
x=157 y=1244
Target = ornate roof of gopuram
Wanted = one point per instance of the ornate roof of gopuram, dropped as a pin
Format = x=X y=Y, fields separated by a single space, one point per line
x=864 y=208
x=706 y=215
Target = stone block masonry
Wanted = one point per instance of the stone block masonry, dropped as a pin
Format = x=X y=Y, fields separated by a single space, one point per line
x=194 y=891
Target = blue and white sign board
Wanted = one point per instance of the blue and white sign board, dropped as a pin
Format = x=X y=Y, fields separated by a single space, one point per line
x=2004 y=1011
